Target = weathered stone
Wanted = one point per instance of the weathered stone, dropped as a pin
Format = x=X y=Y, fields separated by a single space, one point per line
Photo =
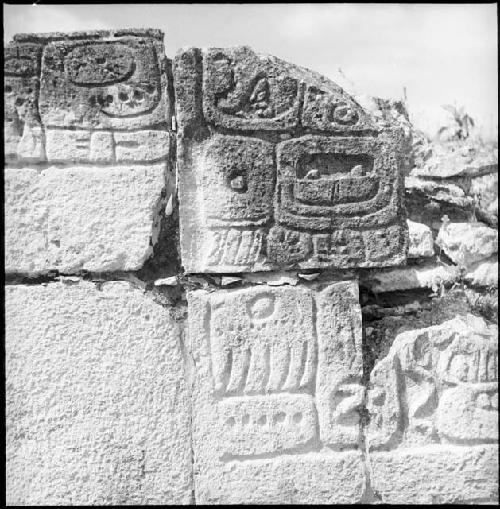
x=483 y=273
x=458 y=159
x=81 y=146
x=79 y=87
x=467 y=243
x=276 y=393
x=24 y=138
x=427 y=201
x=430 y=276
x=109 y=81
x=434 y=399
x=436 y=475
x=84 y=218
x=484 y=190
x=97 y=409
x=277 y=193
x=421 y=240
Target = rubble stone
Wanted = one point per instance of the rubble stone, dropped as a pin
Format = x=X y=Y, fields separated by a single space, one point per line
x=421 y=240
x=433 y=403
x=467 y=243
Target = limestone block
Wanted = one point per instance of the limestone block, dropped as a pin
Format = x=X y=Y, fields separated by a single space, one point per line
x=469 y=158
x=437 y=475
x=96 y=398
x=467 y=243
x=433 y=401
x=421 y=240
x=104 y=80
x=24 y=138
x=430 y=276
x=81 y=146
x=483 y=273
x=84 y=218
x=263 y=186
x=277 y=393
x=66 y=93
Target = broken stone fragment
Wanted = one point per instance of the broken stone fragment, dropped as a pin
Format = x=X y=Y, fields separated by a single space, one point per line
x=429 y=276
x=440 y=384
x=467 y=243
x=421 y=241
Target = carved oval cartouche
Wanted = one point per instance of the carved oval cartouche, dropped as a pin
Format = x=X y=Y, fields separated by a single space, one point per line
x=99 y=64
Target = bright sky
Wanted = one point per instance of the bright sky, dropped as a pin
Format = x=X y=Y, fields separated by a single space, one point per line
x=441 y=53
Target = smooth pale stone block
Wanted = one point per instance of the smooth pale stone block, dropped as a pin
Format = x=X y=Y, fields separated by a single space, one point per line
x=97 y=409
x=83 y=218
x=436 y=475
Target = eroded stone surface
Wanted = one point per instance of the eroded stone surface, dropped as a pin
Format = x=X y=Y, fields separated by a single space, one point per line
x=277 y=389
x=467 y=243
x=430 y=276
x=263 y=186
x=421 y=240
x=437 y=475
x=67 y=93
x=436 y=393
x=96 y=398
x=84 y=218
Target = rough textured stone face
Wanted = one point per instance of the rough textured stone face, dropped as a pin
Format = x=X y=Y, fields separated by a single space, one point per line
x=467 y=243
x=280 y=168
x=433 y=401
x=277 y=393
x=66 y=94
x=85 y=218
x=96 y=398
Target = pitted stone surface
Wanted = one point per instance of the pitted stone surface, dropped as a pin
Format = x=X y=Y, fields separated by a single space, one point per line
x=467 y=243
x=277 y=393
x=83 y=218
x=433 y=401
x=96 y=398
x=265 y=185
x=66 y=94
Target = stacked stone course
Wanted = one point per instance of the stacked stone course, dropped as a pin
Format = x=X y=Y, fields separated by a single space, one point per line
x=255 y=373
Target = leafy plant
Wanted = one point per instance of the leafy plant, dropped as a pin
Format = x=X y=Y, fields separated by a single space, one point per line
x=463 y=123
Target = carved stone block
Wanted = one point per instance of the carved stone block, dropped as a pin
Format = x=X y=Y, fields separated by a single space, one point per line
x=437 y=392
x=109 y=82
x=249 y=200
x=74 y=96
x=23 y=135
x=277 y=379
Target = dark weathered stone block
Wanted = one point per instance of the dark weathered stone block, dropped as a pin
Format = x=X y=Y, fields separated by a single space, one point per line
x=280 y=168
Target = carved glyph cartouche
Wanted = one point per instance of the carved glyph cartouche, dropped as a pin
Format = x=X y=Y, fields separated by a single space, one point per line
x=280 y=168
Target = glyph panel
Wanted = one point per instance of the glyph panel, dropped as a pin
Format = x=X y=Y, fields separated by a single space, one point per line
x=280 y=168
x=437 y=391
x=277 y=377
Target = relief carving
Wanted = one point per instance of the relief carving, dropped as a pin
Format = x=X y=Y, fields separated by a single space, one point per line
x=284 y=368
x=437 y=385
x=315 y=195
x=70 y=98
x=243 y=90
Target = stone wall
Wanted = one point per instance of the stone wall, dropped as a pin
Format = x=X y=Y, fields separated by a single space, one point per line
x=228 y=281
